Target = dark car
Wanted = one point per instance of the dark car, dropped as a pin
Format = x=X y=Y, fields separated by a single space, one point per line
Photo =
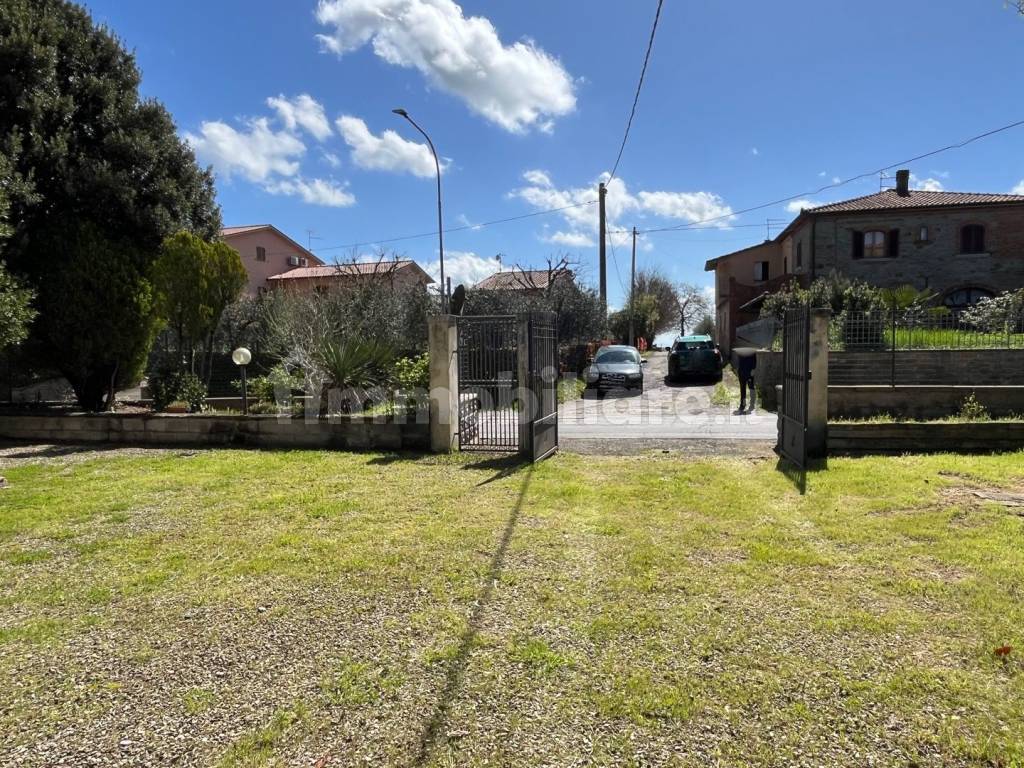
x=694 y=357
x=615 y=367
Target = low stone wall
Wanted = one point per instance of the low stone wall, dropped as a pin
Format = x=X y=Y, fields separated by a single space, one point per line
x=896 y=438
x=344 y=433
x=921 y=401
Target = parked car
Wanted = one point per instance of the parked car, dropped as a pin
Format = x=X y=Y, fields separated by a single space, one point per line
x=694 y=357
x=616 y=367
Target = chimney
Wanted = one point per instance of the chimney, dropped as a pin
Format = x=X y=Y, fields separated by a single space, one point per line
x=903 y=183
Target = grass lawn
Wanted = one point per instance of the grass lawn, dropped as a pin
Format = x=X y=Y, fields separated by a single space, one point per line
x=243 y=608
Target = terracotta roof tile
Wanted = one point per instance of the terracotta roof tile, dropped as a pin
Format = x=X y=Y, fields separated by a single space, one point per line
x=347 y=270
x=228 y=231
x=916 y=198
x=520 y=279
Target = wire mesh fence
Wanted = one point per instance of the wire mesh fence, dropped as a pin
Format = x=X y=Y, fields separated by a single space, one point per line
x=923 y=329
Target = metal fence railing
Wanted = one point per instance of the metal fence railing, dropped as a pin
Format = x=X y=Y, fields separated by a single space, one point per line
x=923 y=329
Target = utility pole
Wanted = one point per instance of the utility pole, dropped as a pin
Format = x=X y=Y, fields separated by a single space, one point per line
x=602 y=265
x=632 y=292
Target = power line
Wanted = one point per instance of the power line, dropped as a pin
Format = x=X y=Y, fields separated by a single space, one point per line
x=615 y=262
x=836 y=185
x=457 y=229
x=639 y=86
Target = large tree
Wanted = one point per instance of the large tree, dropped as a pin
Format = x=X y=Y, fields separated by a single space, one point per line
x=105 y=179
x=16 y=310
x=694 y=306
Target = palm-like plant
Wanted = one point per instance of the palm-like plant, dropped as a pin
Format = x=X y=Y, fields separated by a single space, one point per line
x=354 y=364
x=905 y=297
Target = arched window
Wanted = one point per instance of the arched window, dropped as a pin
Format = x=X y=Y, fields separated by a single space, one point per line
x=972 y=239
x=962 y=298
x=874 y=244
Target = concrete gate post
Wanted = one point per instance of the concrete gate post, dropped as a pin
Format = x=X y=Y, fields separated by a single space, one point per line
x=443 y=341
x=817 y=387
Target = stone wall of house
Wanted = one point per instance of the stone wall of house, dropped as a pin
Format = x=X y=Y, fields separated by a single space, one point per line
x=343 y=433
x=934 y=263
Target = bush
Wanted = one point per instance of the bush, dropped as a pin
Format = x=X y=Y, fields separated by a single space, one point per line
x=277 y=380
x=972 y=410
x=413 y=372
x=169 y=387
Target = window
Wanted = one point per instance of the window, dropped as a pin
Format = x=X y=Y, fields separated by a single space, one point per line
x=261 y=253
x=922 y=235
x=965 y=297
x=874 y=244
x=785 y=265
x=799 y=255
x=972 y=239
x=760 y=271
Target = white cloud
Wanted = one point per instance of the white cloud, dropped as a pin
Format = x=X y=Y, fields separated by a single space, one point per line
x=1019 y=189
x=463 y=267
x=927 y=185
x=754 y=151
x=304 y=112
x=571 y=239
x=387 y=152
x=537 y=178
x=517 y=86
x=689 y=207
x=332 y=159
x=257 y=153
x=313 y=191
x=795 y=206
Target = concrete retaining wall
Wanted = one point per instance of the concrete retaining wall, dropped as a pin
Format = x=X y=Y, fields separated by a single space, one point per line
x=925 y=438
x=964 y=367
x=920 y=402
x=201 y=430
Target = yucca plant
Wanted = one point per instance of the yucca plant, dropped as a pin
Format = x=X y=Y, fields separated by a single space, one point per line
x=354 y=364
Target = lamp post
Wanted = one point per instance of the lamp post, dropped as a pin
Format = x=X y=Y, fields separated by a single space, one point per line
x=440 y=227
x=242 y=357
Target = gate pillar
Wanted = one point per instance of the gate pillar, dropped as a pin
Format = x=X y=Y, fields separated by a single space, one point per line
x=443 y=339
x=817 y=387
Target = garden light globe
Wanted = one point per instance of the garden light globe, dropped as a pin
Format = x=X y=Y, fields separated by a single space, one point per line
x=241 y=356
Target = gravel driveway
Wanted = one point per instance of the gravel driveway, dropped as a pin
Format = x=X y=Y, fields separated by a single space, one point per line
x=663 y=412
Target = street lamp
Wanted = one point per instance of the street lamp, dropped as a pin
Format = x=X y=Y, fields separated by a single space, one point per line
x=242 y=357
x=440 y=233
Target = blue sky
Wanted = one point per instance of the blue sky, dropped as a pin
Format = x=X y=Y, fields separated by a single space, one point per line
x=745 y=102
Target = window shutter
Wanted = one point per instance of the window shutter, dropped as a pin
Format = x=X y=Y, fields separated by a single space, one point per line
x=858 y=245
x=893 y=243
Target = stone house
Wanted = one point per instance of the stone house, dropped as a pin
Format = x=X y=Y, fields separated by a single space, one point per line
x=962 y=246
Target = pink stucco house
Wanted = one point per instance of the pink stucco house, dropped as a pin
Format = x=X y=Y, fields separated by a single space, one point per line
x=266 y=251
x=274 y=260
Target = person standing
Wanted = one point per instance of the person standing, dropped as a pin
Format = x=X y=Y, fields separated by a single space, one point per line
x=746 y=362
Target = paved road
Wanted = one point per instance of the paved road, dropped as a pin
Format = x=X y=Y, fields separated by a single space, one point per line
x=663 y=412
